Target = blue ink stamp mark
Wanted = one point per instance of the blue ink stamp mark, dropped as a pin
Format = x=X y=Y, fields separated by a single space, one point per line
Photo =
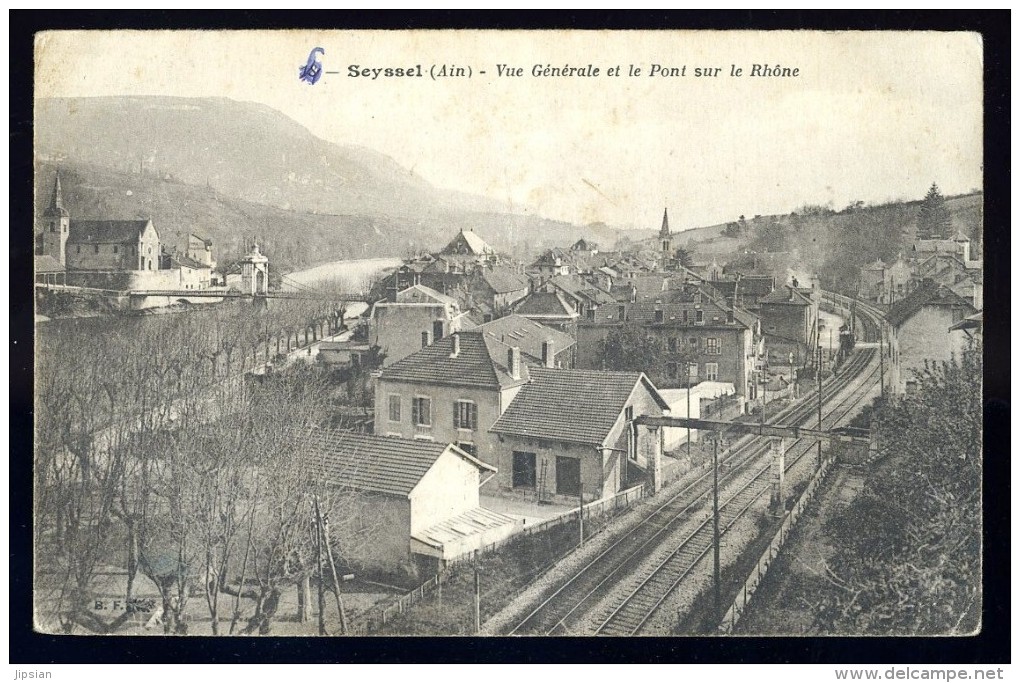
x=311 y=72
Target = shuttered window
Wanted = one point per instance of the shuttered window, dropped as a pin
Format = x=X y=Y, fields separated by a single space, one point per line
x=465 y=415
x=421 y=411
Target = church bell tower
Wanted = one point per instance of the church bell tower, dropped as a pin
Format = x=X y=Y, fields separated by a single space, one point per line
x=667 y=240
x=56 y=225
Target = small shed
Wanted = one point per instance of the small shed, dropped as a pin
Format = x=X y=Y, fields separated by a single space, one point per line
x=418 y=499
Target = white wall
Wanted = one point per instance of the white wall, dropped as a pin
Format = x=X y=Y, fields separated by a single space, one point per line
x=449 y=488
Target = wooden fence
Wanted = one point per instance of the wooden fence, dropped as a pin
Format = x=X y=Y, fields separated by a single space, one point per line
x=736 y=610
x=623 y=499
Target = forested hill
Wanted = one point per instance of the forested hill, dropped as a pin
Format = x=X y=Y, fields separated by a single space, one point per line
x=835 y=244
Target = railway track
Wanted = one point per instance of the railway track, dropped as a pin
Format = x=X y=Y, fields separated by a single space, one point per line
x=648 y=592
x=621 y=559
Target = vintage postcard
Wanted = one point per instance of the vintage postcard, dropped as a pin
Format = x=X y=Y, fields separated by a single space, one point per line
x=570 y=333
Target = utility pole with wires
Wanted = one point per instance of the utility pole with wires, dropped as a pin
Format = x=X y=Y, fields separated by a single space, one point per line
x=819 y=373
x=716 y=572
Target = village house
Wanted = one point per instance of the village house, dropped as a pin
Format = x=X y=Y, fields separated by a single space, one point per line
x=590 y=302
x=789 y=318
x=919 y=327
x=958 y=245
x=886 y=284
x=703 y=337
x=467 y=247
x=550 y=263
x=419 y=317
x=539 y=345
x=745 y=291
x=550 y=309
x=493 y=290
x=412 y=505
x=451 y=391
x=952 y=272
x=570 y=434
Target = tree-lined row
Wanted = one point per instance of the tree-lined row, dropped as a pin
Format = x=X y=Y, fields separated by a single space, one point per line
x=156 y=457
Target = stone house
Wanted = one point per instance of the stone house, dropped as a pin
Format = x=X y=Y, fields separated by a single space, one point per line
x=569 y=432
x=789 y=316
x=451 y=391
x=919 y=331
x=402 y=497
x=419 y=317
x=702 y=337
x=550 y=309
x=539 y=345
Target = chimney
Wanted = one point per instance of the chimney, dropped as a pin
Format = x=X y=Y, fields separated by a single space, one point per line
x=513 y=362
x=549 y=353
x=456 y=345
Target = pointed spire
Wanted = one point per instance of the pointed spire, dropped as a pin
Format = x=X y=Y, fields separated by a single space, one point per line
x=56 y=207
x=664 y=230
x=57 y=201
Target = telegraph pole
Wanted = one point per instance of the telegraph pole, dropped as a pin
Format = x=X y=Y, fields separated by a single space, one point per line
x=687 y=381
x=715 y=527
x=478 y=602
x=819 y=373
x=881 y=357
x=580 y=517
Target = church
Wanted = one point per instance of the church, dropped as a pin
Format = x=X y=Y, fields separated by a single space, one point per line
x=101 y=253
x=105 y=245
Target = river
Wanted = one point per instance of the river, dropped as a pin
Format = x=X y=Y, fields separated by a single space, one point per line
x=356 y=274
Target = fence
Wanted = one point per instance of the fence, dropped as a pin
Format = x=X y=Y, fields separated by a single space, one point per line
x=739 y=605
x=623 y=499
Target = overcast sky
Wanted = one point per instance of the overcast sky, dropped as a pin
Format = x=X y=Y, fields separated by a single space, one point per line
x=872 y=116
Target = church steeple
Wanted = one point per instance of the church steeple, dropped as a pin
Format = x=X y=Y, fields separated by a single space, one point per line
x=56 y=224
x=56 y=207
x=667 y=241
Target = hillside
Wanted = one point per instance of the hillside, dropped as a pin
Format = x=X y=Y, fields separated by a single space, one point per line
x=240 y=149
x=230 y=170
x=835 y=244
x=293 y=239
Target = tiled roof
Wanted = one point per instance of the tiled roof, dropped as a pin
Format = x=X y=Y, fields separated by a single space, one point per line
x=366 y=462
x=544 y=303
x=584 y=245
x=516 y=330
x=474 y=522
x=504 y=280
x=482 y=362
x=467 y=242
x=787 y=295
x=577 y=406
x=927 y=294
x=971 y=322
x=579 y=288
x=48 y=264
x=185 y=260
x=436 y=296
x=105 y=232
x=550 y=256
